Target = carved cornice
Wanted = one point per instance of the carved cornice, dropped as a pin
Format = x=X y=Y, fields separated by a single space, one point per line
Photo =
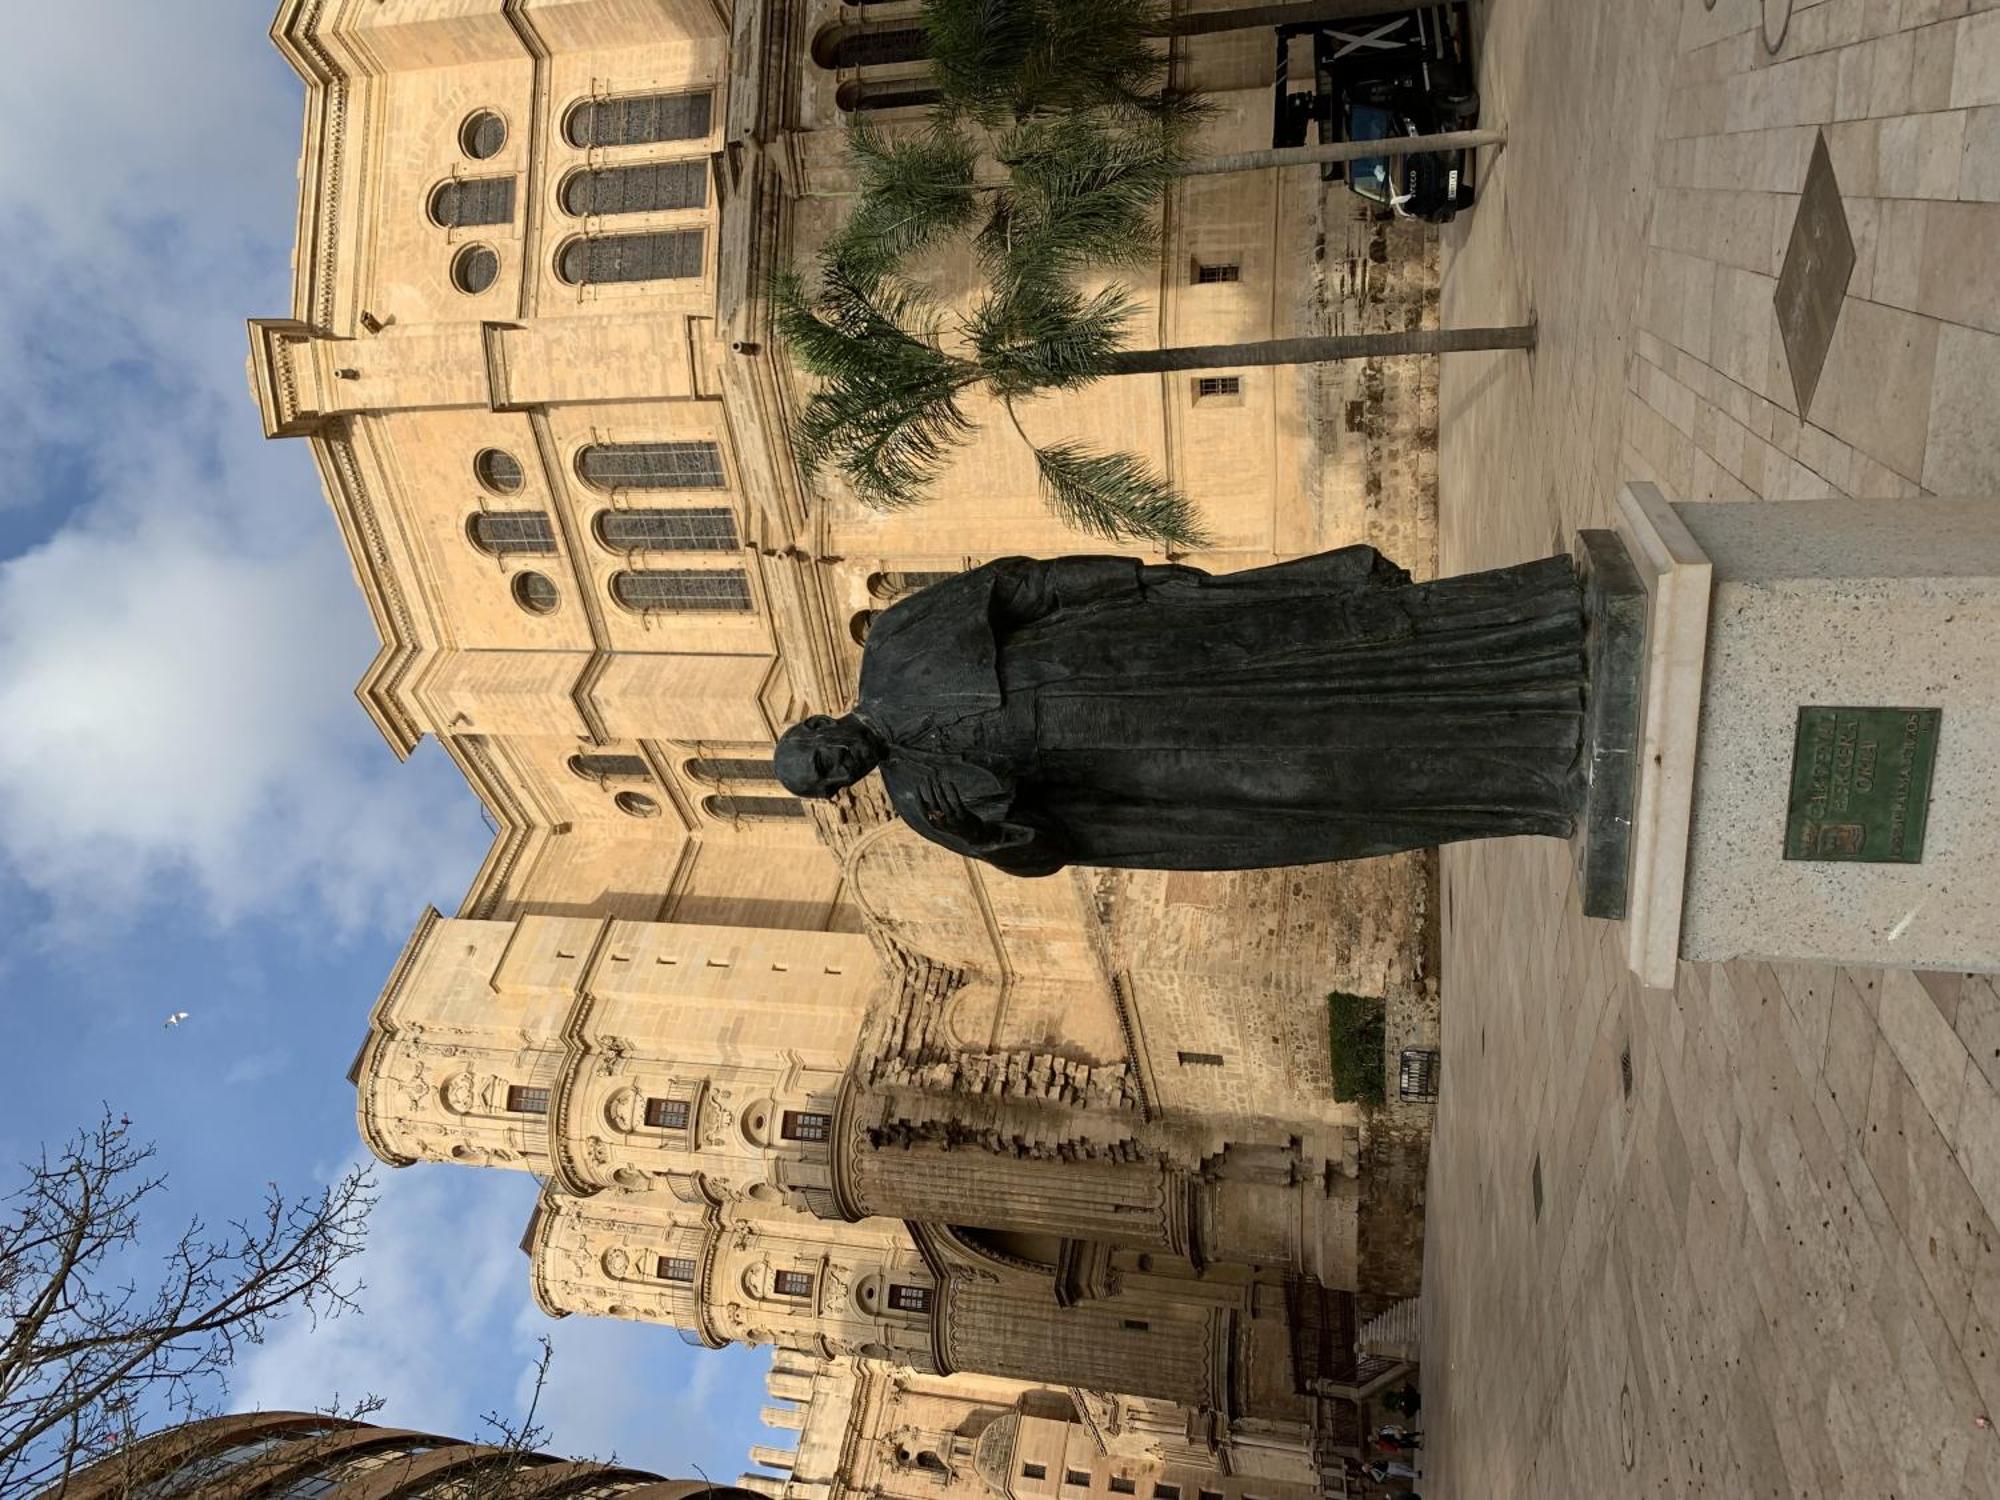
x=382 y=1026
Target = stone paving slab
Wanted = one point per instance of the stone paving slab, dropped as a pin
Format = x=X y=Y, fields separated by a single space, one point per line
x=1771 y=1267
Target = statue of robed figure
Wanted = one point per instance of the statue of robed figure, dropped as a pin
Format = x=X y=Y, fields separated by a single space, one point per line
x=1107 y=711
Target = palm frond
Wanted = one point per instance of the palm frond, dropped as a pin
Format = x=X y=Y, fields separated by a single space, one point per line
x=1005 y=60
x=1080 y=193
x=1047 y=336
x=1116 y=496
x=914 y=191
x=886 y=412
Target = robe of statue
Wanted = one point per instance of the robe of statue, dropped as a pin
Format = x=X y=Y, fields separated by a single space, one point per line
x=1105 y=711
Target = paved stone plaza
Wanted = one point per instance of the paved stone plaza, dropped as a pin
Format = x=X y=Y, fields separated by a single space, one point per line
x=1764 y=1263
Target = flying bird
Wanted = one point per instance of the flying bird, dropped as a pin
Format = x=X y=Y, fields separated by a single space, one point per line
x=176 y=1018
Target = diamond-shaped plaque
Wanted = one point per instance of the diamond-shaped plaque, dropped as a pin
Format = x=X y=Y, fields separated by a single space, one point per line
x=1818 y=262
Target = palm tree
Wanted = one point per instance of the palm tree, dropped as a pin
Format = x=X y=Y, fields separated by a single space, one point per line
x=893 y=367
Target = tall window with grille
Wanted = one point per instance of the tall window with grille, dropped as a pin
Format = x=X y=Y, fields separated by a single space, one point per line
x=473 y=200
x=842 y=47
x=643 y=188
x=611 y=767
x=667 y=1114
x=792 y=1283
x=720 y=768
x=893 y=585
x=683 y=590
x=501 y=533
x=677 y=1268
x=652 y=466
x=657 y=255
x=768 y=809
x=522 y=1100
x=695 y=528
x=806 y=1125
x=639 y=119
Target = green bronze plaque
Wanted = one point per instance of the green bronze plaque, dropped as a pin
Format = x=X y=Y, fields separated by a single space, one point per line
x=1861 y=784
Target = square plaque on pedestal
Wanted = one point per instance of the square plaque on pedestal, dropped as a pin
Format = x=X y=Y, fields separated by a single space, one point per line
x=1861 y=784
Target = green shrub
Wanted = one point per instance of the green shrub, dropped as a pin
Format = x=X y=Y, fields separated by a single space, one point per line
x=1355 y=1024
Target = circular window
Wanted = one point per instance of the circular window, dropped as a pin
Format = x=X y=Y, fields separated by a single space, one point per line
x=474 y=269
x=482 y=135
x=637 y=805
x=500 y=472
x=534 y=593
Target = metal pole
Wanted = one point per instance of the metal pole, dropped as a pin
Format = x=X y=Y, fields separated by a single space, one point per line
x=1305 y=156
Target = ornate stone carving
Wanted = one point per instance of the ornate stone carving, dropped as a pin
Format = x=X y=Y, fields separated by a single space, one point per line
x=461 y=1093
x=616 y=1264
x=623 y=1108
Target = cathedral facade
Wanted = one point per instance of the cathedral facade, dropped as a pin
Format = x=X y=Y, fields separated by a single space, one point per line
x=792 y=1075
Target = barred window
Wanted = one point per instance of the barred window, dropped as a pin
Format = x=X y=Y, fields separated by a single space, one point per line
x=805 y=1125
x=639 y=119
x=662 y=255
x=754 y=808
x=667 y=1114
x=652 y=466
x=730 y=768
x=526 y=1101
x=1208 y=275
x=1119 y=1485
x=1034 y=1471
x=916 y=1299
x=678 y=1268
x=598 y=766
x=870 y=94
x=792 y=1283
x=521 y=532
x=473 y=200
x=474 y=269
x=497 y=470
x=1078 y=1477
x=895 y=585
x=699 y=528
x=694 y=590
x=1208 y=387
x=535 y=593
x=649 y=187
x=851 y=46
x=482 y=135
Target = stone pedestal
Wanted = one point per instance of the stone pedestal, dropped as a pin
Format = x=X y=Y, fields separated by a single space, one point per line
x=1810 y=667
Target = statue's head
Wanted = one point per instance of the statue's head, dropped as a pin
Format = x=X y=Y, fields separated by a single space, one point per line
x=822 y=755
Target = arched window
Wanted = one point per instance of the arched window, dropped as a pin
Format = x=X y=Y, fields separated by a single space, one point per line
x=895 y=585
x=730 y=768
x=753 y=807
x=599 y=767
x=535 y=593
x=701 y=590
x=861 y=624
x=497 y=470
x=639 y=119
x=499 y=532
x=474 y=269
x=665 y=255
x=473 y=200
x=482 y=135
x=651 y=466
x=853 y=46
x=652 y=187
x=870 y=94
x=697 y=528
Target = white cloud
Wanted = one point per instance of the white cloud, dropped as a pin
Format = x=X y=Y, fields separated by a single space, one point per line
x=255 y=1067
x=442 y=1275
x=177 y=655
x=448 y=1332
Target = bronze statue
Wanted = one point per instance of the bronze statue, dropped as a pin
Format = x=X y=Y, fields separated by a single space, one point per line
x=1107 y=711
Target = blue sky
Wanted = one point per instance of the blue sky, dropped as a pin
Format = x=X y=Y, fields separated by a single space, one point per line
x=194 y=813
